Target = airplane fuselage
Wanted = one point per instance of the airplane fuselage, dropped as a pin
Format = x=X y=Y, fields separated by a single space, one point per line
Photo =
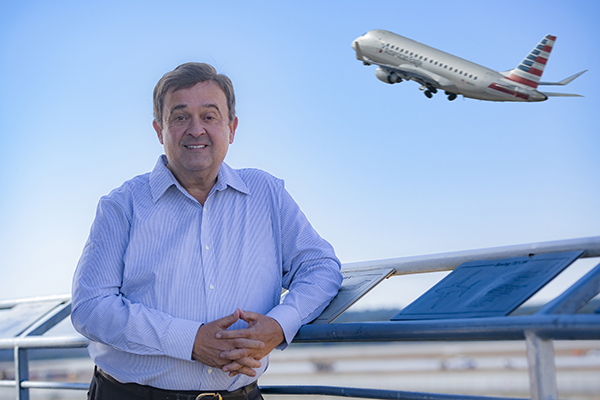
x=400 y=58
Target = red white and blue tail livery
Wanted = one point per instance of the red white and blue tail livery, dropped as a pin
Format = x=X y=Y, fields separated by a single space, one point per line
x=399 y=58
x=530 y=70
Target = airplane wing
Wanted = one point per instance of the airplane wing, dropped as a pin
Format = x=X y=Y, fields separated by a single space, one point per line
x=425 y=78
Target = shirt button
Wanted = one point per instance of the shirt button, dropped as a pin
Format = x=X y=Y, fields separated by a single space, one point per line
x=210 y=371
x=206 y=248
x=211 y=287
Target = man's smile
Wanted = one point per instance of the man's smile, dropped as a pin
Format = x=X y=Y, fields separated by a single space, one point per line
x=200 y=146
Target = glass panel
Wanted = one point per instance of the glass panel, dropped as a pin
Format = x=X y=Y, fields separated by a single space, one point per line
x=15 y=319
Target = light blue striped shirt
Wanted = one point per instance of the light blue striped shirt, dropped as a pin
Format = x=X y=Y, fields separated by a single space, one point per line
x=157 y=265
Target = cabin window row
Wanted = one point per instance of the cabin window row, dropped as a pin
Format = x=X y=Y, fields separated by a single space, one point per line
x=441 y=65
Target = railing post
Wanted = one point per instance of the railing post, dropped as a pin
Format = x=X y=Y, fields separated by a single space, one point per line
x=542 y=373
x=21 y=372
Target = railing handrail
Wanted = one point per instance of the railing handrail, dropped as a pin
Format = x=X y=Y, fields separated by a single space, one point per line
x=448 y=261
x=41 y=342
x=431 y=262
x=558 y=327
x=55 y=297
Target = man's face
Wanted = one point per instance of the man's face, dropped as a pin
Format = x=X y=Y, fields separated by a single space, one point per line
x=196 y=132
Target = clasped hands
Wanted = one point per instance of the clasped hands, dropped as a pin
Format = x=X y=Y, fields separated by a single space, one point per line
x=237 y=351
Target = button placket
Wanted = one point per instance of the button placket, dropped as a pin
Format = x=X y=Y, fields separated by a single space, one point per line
x=209 y=270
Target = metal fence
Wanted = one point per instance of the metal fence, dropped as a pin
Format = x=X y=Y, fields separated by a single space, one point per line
x=557 y=320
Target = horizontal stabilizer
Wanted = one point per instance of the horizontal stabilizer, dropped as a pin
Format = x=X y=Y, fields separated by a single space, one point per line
x=564 y=81
x=561 y=94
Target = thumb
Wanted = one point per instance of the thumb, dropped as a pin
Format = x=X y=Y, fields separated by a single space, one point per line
x=249 y=316
x=229 y=320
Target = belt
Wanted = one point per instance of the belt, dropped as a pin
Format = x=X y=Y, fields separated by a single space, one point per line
x=161 y=394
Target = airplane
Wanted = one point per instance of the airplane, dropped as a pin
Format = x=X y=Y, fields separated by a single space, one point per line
x=399 y=58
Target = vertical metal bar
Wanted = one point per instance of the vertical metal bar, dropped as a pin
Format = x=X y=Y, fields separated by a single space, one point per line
x=21 y=372
x=542 y=373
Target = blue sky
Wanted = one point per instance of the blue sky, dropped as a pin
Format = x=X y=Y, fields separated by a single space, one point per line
x=380 y=170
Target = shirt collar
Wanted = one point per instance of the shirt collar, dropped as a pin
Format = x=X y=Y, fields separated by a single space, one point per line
x=161 y=178
x=230 y=177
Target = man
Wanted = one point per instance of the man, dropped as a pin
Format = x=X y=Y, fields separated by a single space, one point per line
x=179 y=284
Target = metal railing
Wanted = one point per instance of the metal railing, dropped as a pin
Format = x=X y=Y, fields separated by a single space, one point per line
x=555 y=321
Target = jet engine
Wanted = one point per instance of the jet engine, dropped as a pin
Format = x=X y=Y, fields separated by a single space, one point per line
x=387 y=76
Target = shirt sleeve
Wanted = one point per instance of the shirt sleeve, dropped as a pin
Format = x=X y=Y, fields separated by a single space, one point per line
x=101 y=313
x=311 y=271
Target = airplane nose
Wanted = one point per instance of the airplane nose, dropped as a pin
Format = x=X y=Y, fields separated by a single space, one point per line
x=354 y=45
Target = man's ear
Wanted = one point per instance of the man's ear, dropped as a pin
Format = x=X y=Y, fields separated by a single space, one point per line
x=232 y=128
x=158 y=130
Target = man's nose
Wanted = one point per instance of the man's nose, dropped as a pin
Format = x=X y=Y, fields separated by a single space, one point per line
x=196 y=127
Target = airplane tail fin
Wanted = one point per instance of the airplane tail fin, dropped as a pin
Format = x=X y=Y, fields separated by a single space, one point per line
x=530 y=70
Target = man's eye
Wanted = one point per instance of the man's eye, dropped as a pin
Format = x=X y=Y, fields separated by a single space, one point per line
x=178 y=119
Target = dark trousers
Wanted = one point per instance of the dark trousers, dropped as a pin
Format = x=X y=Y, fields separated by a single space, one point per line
x=103 y=389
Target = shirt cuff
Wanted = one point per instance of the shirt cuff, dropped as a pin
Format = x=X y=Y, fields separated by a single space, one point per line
x=289 y=320
x=180 y=337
